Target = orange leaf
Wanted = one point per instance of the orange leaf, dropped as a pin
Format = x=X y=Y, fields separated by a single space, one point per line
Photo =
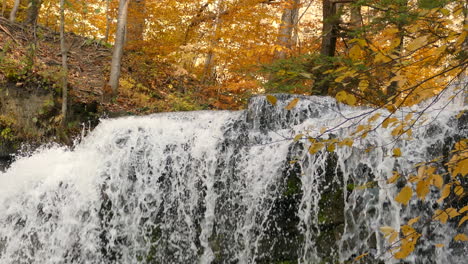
x=292 y=104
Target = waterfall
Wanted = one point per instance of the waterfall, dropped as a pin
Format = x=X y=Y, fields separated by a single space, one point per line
x=223 y=187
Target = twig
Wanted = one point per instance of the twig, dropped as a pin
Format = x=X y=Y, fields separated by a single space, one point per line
x=8 y=33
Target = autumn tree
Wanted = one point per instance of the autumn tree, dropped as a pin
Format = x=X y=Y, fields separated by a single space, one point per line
x=118 y=47
x=64 y=51
x=32 y=14
x=14 y=10
x=289 y=20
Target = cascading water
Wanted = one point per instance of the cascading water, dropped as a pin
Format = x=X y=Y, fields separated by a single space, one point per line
x=220 y=187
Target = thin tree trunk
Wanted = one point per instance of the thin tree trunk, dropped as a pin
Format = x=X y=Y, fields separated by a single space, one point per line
x=33 y=12
x=108 y=21
x=118 y=47
x=64 y=64
x=14 y=10
x=208 y=69
x=3 y=7
x=289 y=21
x=356 y=17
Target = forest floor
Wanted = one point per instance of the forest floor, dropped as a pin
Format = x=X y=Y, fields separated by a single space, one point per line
x=30 y=90
x=148 y=86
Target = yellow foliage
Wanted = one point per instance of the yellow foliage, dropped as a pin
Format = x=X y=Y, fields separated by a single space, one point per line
x=441 y=216
x=292 y=104
x=445 y=192
x=396 y=152
x=422 y=189
x=315 y=147
x=394 y=178
x=461 y=237
x=413 y=220
x=271 y=99
x=404 y=195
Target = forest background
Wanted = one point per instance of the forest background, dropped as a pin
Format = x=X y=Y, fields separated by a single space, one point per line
x=68 y=62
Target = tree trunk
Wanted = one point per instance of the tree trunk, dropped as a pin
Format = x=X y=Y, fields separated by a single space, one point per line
x=14 y=10
x=209 y=68
x=3 y=7
x=289 y=21
x=329 y=35
x=64 y=64
x=118 y=47
x=355 y=17
x=33 y=12
x=108 y=21
x=329 y=28
x=136 y=23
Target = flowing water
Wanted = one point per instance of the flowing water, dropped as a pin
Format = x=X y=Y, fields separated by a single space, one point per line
x=222 y=187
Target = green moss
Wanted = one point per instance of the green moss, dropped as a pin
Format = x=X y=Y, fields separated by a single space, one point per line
x=293 y=186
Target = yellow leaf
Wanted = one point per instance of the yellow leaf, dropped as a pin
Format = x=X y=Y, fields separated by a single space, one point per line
x=422 y=189
x=437 y=180
x=315 y=147
x=440 y=50
x=463 y=209
x=361 y=256
x=413 y=220
x=445 y=192
x=463 y=220
x=459 y=166
x=417 y=43
x=394 y=178
x=458 y=190
x=350 y=99
x=393 y=237
x=404 y=195
x=397 y=131
x=323 y=130
x=452 y=212
x=409 y=132
x=394 y=42
x=387 y=230
x=407 y=230
x=391 y=108
x=292 y=104
x=408 y=116
x=340 y=78
x=441 y=216
x=355 y=52
x=331 y=147
x=439 y=245
x=405 y=250
x=341 y=96
x=298 y=137
x=271 y=99
x=380 y=57
x=374 y=117
x=346 y=142
x=396 y=152
x=461 y=39
x=389 y=121
x=461 y=237
x=363 y=85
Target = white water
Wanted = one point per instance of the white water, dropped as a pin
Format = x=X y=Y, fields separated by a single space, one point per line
x=211 y=187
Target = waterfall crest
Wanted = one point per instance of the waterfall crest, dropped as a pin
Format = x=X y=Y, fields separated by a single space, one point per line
x=221 y=187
